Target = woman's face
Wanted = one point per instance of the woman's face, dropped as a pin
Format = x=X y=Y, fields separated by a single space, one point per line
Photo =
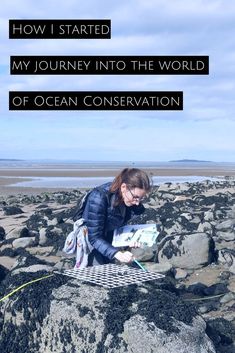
x=132 y=196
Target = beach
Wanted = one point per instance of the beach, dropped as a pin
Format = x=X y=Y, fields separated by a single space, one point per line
x=16 y=174
x=194 y=254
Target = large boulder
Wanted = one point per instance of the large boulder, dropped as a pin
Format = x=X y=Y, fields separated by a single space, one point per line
x=189 y=251
x=54 y=316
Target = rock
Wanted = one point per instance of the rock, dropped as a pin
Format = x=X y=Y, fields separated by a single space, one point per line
x=3 y=272
x=156 y=340
x=189 y=251
x=167 y=196
x=216 y=289
x=45 y=212
x=64 y=264
x=221 y=332
x=150 y=213
x=197 y=289
x=225 y=225
x=161 y=268
x=175 y=228
x=180 y=210
x=231 y=286
x=18 y=232
x=209 y=216
x=219 y=199
x=207 y=307
x=25 y=259
x=180 y=198
x=36 y=221
x=226 y=257
x=124 y=320
x=8 y=251
x=167 y=214
x=227 y=236
x=51 y=236
x=42 y=236
x=166 y=187
x=225 y=275
x=232 y=268
x=24 y=232
x=231 y=212
x=12 y=200
x=196 y=220
x=33 y=233
x=153 y=202
x=52 y=222
x=23 y=242
x=205 y=227
x=2 y=233
x=33 y=268
x=188 y=216
x=180 y=274
x=143 y=254
x=42 y=206
x=12 y=210
x=7 y=262
x=59 y=231
x=44 y=250
x=51 y=260
x=227 y=298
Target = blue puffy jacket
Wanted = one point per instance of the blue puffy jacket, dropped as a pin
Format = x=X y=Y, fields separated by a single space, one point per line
x=102 y=217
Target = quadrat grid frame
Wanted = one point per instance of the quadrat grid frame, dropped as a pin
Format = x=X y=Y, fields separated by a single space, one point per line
x=112 y=276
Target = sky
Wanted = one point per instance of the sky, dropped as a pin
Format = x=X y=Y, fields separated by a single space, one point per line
x=204 y=130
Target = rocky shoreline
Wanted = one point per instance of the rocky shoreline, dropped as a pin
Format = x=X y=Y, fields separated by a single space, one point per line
x=195 y=251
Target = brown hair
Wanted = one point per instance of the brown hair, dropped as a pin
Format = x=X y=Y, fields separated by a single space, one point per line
x=134 y=178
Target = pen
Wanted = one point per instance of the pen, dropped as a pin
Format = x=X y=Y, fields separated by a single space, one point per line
x=139 y=264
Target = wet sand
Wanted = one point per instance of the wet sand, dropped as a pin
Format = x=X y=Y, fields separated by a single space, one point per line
x=16 y=175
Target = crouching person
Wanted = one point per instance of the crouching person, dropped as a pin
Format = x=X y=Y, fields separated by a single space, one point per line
x=111 y=206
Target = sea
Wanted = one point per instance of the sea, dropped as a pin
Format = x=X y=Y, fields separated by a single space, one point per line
x=89 y=182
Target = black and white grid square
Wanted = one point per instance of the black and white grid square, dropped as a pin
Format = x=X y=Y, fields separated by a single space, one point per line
x=111 y=275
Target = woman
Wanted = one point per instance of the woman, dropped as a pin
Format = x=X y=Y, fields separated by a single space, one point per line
x=110 y=206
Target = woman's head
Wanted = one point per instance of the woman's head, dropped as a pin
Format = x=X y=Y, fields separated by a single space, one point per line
x=131 y=186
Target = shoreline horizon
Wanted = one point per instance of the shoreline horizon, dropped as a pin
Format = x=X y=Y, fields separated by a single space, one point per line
x=9 y=176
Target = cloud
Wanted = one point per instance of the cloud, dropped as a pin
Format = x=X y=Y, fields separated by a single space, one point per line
x=150 y=27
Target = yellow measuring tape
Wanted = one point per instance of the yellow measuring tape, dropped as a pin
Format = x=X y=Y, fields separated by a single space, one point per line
x=47 y=276
x=24 y=285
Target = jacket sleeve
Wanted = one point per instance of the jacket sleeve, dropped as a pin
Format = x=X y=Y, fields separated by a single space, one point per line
x=95 y=214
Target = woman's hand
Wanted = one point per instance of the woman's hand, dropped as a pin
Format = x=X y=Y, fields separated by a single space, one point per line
x=125 y=256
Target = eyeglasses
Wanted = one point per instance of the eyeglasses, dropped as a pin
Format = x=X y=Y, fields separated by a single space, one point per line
x=135 y=197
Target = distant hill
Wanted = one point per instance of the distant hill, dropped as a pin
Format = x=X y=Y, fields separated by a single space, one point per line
x=10 y=160
x=191 y=161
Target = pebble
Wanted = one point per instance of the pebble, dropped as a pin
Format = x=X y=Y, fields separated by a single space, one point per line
x=180 y=274
x=23 y=242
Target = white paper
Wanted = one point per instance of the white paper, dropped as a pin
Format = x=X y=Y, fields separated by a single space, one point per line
x=146 y=234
